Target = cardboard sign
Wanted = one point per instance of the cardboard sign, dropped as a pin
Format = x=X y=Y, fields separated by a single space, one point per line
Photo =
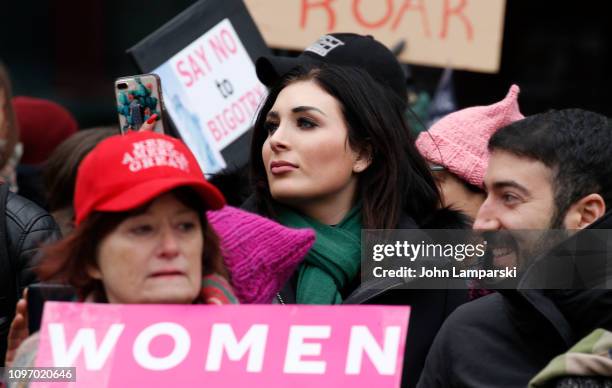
x=205 y=59
x=463 y=34
x=224 y=346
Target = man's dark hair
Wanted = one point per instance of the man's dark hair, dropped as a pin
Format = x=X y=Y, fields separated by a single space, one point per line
x=577 y=146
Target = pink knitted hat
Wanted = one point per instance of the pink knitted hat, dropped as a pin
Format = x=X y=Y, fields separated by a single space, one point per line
x=260 y=254
x=458 y=141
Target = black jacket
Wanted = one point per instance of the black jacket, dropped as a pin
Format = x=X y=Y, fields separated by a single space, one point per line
x=27 y=226
x=429 y=308
x=505 y=339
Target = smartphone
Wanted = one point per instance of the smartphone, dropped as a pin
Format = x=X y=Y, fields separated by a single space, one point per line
x=38 y=294
x=139 y=97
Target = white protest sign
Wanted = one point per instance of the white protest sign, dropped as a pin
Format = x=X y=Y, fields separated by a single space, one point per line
x=212 y=92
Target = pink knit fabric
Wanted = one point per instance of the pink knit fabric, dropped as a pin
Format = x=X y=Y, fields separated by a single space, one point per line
x=260 y=254
x=458 y=141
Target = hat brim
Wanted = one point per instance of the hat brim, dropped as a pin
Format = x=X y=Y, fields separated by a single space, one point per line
x=270 y=68
x=144 y=192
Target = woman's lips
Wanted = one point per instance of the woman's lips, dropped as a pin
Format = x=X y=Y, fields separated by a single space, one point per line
x=281 y=167
x=167 y=273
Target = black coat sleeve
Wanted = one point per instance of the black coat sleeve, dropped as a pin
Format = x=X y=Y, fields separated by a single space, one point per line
x=435 y=373
x=28 y=228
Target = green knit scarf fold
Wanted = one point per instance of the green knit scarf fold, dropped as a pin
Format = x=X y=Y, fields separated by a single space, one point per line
x=334 y=259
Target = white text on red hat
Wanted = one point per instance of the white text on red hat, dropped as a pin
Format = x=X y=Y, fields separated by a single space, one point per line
x=154 y=153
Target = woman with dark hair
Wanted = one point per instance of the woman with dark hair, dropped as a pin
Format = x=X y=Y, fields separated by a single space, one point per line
x=456 y=148
x=331 y=151
x=389 y=177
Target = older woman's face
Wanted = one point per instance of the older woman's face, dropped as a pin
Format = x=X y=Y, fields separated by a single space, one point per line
x=307 y=155
x=153 y=257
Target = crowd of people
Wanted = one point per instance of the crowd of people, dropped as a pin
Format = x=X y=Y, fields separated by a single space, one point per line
x=131 y=219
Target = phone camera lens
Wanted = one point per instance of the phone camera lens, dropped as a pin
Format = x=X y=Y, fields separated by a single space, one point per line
x=122 y=86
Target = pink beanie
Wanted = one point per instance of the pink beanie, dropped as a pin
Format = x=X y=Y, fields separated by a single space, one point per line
x=458 y=141
x=260 y=254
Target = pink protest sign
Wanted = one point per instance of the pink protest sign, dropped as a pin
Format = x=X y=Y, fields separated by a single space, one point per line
x=224 y=346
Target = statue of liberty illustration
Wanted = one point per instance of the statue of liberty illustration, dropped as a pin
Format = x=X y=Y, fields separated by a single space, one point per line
x=194 y=136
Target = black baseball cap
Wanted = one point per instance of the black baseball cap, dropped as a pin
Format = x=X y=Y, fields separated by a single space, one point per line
x=345 y=49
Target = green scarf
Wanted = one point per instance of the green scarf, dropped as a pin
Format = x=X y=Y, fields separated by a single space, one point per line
x=334 y=259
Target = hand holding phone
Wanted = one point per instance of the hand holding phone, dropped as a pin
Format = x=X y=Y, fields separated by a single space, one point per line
x=38 y=294
x=149 y=125
x=139 y=102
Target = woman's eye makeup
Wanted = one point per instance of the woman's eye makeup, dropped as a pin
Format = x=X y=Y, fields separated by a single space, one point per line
x=305 y=122
x=270 y=126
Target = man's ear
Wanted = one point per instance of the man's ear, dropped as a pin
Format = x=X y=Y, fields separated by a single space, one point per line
x=585 y=211
x=363 y=159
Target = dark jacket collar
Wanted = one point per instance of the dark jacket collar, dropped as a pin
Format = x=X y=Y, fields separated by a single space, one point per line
x=578 y=262
x=250 y=204
x=584 y=304
x=442 y=219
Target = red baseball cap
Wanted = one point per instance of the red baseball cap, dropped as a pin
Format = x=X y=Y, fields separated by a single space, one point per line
x=125 y=172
